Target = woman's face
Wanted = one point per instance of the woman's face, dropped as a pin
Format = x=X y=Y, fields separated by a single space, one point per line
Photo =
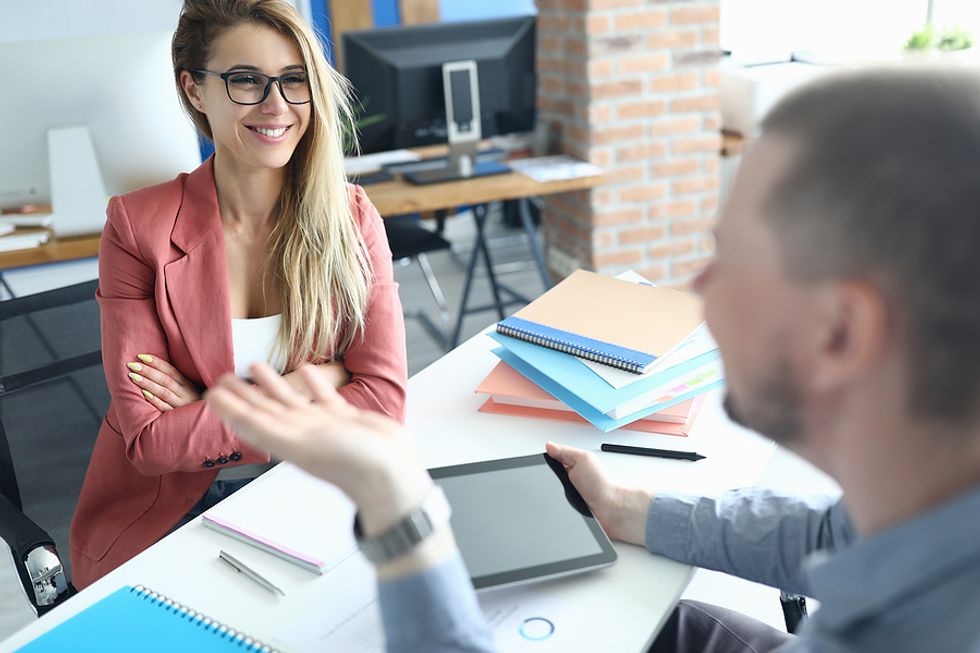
x=261 y=135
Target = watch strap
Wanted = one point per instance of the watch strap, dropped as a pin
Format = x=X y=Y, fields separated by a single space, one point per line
x=408 y=532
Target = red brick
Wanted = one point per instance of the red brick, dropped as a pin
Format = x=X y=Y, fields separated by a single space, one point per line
x=689 y=266
x=622 y=257
x=711 y=77
x=692 y=226
x=646 y=63
x=623 y=88
x=672 y=38
x=645 y=109
x=709 y=204
x=710 y=36
x=706 y=243
x=626 y=175
x=644 y=152
x=600 y=114
x=576 y=90
x=597 y=24
x=642 y=192
x=641 y=235
x=671 y=249
x=675 y=126
x=679 y=208
x=617 y=45
x=674 y=83
x=549 y=43
x=695 y=14
x=711 y=164
x=600 y=69
x=551 y=84
x=710 y=143
x=707 y=102
x=653 y=272
x=601 y=239
x=615 y=4
x=612 y=135
x=576 y=46
x=606 y=217
x=644 y=20
x=693 y=185
x=602 y=157
x=675 y=168
x=712 y=122
x=552 y=22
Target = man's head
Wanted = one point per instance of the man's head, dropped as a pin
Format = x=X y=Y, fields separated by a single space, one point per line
x=846 y=254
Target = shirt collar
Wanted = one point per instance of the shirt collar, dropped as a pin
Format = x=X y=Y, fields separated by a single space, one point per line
x=881 y=570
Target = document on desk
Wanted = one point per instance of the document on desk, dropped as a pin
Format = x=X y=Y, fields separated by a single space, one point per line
x=303 y=526
x=349 y=619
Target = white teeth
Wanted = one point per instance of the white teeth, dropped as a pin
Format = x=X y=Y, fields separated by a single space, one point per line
x=274 y=133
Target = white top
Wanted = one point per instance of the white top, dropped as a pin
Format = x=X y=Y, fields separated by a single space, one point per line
x=253 y=340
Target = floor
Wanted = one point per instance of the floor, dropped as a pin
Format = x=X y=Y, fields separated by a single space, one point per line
x=785 y=471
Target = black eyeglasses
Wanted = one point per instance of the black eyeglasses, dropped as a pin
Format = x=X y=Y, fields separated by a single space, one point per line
x=248 y=87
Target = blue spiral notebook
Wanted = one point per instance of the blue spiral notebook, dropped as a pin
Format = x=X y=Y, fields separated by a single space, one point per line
x=139 y=619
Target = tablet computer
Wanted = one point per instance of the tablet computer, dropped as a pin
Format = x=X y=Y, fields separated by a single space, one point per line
x=518 y=520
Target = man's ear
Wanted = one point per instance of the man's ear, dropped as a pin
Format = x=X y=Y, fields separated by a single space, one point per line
x=852 y=330
x=191 y=90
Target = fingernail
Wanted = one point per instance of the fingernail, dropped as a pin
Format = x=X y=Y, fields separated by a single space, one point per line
x=146 y=358
x=136 y=367
x=135 y=377
x=148 y=394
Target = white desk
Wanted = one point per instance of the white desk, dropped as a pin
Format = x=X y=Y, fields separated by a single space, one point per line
x=615 y=609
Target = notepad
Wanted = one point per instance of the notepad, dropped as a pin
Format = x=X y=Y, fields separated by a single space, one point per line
x=607 y=320
x=139 y=619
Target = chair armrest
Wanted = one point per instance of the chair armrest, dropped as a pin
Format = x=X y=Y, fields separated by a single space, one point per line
x=36 y=559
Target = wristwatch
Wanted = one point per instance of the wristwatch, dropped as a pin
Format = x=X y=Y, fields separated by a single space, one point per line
x=408 y=532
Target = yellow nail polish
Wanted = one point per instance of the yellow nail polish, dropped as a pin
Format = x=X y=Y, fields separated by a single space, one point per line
x=147 y=394
x=136 y=367
x=146 y=358
x=135 y=377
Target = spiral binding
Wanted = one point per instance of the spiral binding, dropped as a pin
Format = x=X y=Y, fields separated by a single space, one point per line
x=217 y=628
x=568 y=348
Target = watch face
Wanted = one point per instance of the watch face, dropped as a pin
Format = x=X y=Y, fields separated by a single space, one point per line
x=521 y=519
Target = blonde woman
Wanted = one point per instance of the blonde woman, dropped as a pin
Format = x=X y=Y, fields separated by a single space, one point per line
x=264 y=253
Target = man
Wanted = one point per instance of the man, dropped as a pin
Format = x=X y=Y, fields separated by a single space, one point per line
x=845 y=298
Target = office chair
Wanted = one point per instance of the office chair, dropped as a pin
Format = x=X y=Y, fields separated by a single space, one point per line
x=409 y=243
x=53 y=398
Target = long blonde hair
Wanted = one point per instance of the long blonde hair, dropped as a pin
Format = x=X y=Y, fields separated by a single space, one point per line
x=317 y=255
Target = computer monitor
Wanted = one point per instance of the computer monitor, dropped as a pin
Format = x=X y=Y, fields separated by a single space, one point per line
x=85 y=118
x=446 y=82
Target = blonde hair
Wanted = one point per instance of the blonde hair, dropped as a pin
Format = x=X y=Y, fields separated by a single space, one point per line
x=317 y=254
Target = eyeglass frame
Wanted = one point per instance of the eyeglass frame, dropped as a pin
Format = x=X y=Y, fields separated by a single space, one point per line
x=265 y=94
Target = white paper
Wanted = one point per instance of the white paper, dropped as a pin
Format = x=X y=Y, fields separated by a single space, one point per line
x=554 y=168
x=370 y=162
x=349 y=619
x=698 y=378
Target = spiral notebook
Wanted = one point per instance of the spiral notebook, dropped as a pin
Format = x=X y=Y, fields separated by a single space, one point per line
x=611 y=321
x=139 y=619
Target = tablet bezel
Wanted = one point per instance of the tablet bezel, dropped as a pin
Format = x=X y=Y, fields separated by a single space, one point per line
x=535 y=573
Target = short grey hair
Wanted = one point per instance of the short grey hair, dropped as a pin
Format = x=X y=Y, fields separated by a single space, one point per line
x=884 y=184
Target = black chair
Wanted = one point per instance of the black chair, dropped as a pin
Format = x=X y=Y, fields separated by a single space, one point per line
x=53 y=398
x=410 y=243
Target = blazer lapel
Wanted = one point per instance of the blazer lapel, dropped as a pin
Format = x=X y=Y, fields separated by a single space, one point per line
x=197 y=282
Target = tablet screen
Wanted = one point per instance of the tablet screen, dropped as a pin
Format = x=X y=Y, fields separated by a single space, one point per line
x=520 y=519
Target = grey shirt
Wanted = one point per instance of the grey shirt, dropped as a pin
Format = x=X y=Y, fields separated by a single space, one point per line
x=915 y=587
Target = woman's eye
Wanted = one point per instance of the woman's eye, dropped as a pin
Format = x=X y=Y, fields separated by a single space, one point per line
x=245 y=80
x=294 y=80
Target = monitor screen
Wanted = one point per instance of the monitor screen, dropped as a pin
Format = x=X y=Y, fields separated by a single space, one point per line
x=397 y=77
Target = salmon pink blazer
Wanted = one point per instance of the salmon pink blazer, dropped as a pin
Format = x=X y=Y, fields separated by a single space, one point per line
x=163 y=290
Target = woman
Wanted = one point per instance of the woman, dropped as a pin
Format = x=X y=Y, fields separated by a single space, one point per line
x=264 y=253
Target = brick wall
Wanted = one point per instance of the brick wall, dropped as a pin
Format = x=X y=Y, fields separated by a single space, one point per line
x=632 y=86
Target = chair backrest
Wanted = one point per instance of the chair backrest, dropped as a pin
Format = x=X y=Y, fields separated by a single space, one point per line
x=53 y=398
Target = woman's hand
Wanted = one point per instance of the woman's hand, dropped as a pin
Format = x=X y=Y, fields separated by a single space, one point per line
x=161 y=384
x=367 y=455
x=333 y=372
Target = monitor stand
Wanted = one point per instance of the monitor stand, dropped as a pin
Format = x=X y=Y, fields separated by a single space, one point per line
x=461 y=91
x=78 y=195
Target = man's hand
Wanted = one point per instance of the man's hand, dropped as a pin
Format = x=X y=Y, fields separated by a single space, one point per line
x=621 y=511
x=367 y=455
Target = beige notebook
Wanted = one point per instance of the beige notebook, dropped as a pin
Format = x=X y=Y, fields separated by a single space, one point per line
x=619 y=323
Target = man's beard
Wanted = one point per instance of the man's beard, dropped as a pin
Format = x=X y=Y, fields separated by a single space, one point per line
x=772 y=408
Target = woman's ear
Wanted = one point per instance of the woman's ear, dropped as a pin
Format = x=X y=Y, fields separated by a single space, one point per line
x=191 y=90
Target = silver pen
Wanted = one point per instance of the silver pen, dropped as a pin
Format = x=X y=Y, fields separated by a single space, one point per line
x=242 y=568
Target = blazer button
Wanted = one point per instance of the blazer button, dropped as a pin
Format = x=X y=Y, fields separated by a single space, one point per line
x=222 y=460
x=208 y=462
x=235 y=456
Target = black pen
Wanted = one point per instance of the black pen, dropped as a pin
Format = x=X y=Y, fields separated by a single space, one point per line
x=657 y=453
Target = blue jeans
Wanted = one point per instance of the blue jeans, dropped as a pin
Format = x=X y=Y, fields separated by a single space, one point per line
x=218 y=491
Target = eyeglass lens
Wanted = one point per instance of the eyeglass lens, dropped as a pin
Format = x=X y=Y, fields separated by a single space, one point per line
x=252 y=88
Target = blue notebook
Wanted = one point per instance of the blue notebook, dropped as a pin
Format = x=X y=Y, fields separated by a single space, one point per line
x=139 y=619
x=575 y=377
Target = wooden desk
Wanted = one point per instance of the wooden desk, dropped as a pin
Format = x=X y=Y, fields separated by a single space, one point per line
x=615 y=609
x=56 y=250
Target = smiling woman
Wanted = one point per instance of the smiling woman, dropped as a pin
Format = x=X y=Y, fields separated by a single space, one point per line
x=264 y=253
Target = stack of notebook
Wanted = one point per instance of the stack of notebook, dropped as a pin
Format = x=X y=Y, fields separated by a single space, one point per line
x=616 y=351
